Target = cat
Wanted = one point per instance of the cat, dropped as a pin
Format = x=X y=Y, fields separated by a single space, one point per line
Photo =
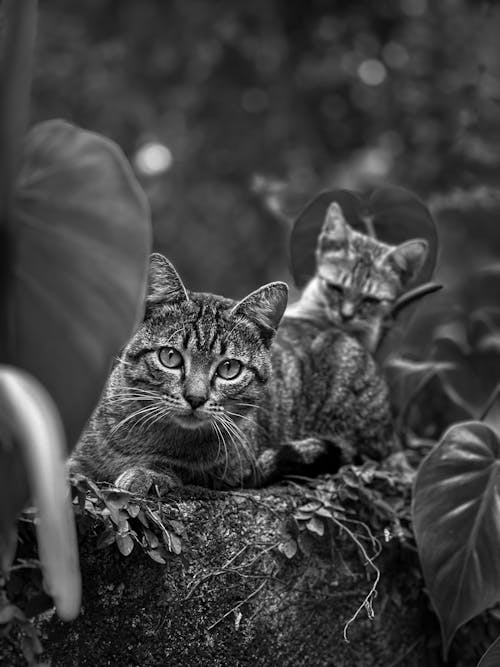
x=208 y=392
x=358 y=279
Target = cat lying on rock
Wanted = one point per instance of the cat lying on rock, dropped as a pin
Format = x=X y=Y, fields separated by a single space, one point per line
x=213 y=391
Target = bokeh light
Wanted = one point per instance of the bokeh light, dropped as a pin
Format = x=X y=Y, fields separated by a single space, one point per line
x=153 y=158
x=372 y=72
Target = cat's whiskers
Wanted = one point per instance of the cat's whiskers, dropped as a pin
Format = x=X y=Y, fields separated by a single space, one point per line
x=142 y=411
x=238 y=437
x=134 y=393
x=251 y=405
x=246 y=418
x=222 y=429
x=127 y=399
x=236 y=449
x=220 y=438
x=162 y=412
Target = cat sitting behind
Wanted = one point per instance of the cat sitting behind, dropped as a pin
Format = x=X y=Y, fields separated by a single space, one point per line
x=358 y=279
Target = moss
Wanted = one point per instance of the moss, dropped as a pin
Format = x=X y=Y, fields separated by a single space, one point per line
x=232 y=598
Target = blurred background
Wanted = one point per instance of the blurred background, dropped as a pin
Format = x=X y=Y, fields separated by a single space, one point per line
x=234 y=114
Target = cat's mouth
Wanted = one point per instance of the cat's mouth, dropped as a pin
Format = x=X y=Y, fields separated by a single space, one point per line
x=192 y=419
x=353 y=325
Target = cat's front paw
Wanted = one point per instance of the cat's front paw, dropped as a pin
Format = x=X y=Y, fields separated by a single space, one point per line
x=141 y=480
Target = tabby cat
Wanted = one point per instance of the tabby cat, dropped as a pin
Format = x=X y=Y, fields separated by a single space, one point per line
x=207 y=393
x=358 y=279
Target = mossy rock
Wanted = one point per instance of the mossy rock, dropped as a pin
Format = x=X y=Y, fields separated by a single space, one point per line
x=263 y=577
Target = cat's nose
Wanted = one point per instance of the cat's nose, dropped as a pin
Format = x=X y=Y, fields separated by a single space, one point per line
x=347 y=311
x=195 y=400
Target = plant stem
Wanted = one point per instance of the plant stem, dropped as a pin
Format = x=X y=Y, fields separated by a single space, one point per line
x=413 y=295
x=15 y=84
x=490 y=403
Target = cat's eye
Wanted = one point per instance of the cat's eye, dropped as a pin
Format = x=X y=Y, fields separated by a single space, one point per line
x=229 y=369
x=170 y=358
x=371 y=299
x=332 y=287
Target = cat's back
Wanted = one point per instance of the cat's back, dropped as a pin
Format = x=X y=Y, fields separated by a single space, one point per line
x=325 y=382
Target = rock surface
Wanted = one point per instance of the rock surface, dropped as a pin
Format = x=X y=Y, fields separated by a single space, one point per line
x=233 y=597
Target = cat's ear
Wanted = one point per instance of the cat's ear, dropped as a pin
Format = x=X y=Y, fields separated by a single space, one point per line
x=164 y=283
x=409 y=258
x=265 y=306
x=335 y=226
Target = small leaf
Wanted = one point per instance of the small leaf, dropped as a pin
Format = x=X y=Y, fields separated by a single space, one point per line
x=154 y=555
x=289 y=548
x=455 y=514
x=315 y=525
x=143 y=518
x=151 y=538
x=116 y=499
x=324 y=512
x=133 y=510
x=492 y=656
x=309 y=507
x=125 y=544
x=116 y=515
x=10 y=613
x=175 y=543
x=123 y=526
x=177 y=526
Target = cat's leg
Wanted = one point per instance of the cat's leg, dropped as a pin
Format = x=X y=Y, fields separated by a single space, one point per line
x=141 y=480
x=307 y=457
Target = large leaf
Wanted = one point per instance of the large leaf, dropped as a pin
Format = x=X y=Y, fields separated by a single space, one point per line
x=473 y=372
x=480 y=291
x=456 y=515
x=17 y=46
x=492 y=656
x=81 y=240
x=406 y=379
x=32 y=450
x=392 y=214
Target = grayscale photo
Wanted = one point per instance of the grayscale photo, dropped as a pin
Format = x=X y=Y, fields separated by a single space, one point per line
x=249 y=333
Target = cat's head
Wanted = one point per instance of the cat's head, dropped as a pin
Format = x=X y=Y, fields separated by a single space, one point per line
x=200 y=361
x=360 y=277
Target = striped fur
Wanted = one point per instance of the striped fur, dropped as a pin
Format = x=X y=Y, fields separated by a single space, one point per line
x=305 y=401
x=357 y=280
x=326 y=403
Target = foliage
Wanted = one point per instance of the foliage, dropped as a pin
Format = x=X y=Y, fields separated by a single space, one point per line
x=446 y=372
x=295 y=88
x=455 y=515
x=127 y=520
x=492 y=656
x=450 y=369
x=13 y=619
x=359 y=503
x=80 y=228
x=74 y=246
x=115 y=517
x=277 y=89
